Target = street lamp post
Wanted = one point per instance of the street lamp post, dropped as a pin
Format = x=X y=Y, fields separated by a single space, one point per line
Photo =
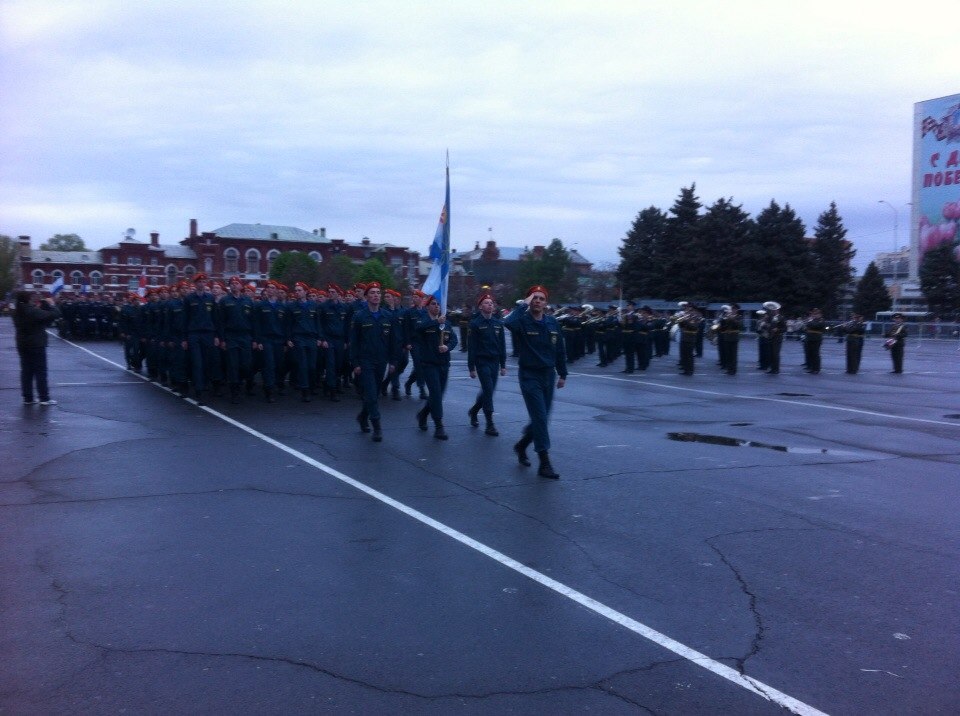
x=896 y=221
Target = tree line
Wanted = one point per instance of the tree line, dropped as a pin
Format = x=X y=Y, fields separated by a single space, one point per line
x=721 y=253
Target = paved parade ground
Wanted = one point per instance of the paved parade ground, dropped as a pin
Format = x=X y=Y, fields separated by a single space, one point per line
x=716 y=544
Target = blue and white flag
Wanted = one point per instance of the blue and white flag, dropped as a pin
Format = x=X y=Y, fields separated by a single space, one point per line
x=85 y=286
x=57 y=286
x=439 y=277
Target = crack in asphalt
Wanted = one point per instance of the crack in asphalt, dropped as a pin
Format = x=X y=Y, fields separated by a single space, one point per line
x=197 y=493
x=28 y=477
x=105 y=651
x=752 y=599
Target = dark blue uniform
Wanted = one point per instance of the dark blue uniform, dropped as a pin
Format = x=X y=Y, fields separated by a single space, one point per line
x=303 y=335
x=201 y=333
x=269 y=332
x=541 y=357
x=435 y=366
x=374 y=345
x=409 y=320
x=486 y=356
x=235 y=321
x=334 y=324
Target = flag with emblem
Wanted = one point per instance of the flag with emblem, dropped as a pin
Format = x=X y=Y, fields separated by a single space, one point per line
x=439 y=277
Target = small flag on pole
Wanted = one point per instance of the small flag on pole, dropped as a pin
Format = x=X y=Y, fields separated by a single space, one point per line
x=142 y=286
x=438 y=279
x=57 y=286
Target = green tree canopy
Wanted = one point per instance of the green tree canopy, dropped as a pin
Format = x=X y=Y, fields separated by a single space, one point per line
x=9 y=251
x=553 y=269
x=724 y=231
x=779 y=259
x=832 y=255
x=871 y=295
x=640 y=270
x=63 y=242
x=680 y=255
x=292 y=266
x=339 y=270
x=940 y=279
x=375 y=270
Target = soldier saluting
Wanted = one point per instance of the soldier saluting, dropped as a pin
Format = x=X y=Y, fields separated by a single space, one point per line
x=542 y=358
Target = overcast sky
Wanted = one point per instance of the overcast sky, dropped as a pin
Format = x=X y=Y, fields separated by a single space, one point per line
x=563 y=119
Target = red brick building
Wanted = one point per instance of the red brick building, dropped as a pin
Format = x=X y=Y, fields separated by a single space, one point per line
x=245 y=250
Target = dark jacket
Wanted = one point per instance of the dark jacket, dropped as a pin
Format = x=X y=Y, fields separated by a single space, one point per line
x=31 y=323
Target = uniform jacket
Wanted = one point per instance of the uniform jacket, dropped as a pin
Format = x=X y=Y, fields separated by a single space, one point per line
x=540 y=344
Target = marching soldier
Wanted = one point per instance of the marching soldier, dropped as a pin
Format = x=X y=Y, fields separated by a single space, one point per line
x=393 y=300
x=235 y=321
x=410 y=319
x=542 y=360
x=304 y=339
x=130 y=332
x=437 y=339
x=201 y=341
x=486 y=359
x=175 y=322
x=334 y=325
x=374 y=352
x=269 y=335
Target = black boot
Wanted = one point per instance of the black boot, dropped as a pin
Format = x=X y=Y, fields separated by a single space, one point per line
x=474 y=422
x=439 y=433
x=249 y=386
x=546 y=469
x=491 y=428
x=521 y=449
x=395 y=394
x=268 y=393
x=377 y=433
x=422 y=417
x=364 y=423
x=305 y=395
x=234 y=394
x=407 y=385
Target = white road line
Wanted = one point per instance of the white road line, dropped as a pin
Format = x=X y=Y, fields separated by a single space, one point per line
x=765 y=399
x=750 y=684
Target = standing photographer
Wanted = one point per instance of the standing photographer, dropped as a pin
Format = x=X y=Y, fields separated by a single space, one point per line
x=31 y=317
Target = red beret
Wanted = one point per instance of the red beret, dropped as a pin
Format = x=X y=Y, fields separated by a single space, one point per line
x=538 y=288
x=372 y=284
x=483 y=297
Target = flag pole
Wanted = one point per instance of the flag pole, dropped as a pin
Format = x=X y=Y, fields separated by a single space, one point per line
x=446 y=239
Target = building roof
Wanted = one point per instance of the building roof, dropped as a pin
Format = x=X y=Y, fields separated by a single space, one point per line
x=515 y=253
x=265 y=232
x=66 y=257
x=176 y=251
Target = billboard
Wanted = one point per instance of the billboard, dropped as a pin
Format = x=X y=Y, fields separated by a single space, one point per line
x=936 y=177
